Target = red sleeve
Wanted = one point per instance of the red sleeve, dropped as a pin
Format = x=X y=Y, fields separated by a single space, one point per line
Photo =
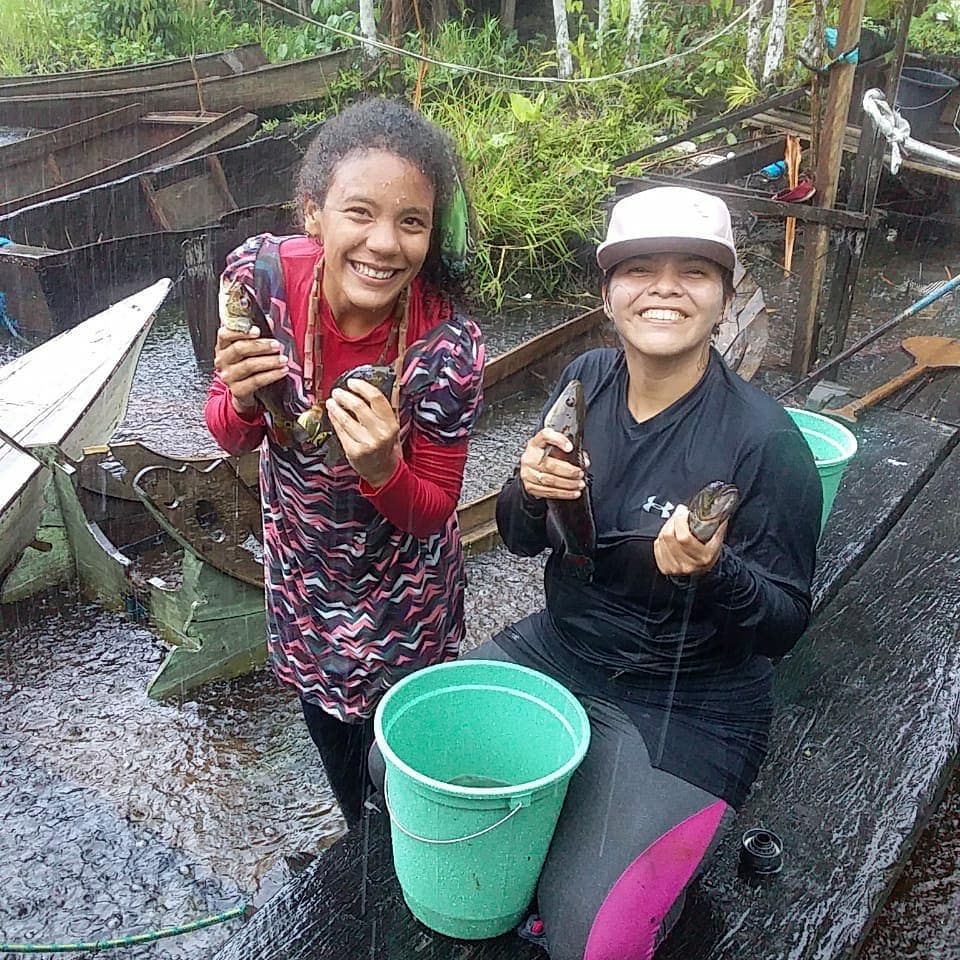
x=235 y=433
x=412 y=502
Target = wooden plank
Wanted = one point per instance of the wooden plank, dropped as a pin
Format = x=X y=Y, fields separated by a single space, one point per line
x=706 y=126
x=743 y=164
x=864 y=739
x=347 y=902
x=124 y=78
x=826 y=177
x=800 y=126
x=217 y=130
x=748 y=200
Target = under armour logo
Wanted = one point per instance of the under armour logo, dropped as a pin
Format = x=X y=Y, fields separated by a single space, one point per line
x=665 y=508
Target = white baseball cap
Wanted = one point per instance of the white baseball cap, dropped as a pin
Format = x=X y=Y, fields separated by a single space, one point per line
x=669 y=220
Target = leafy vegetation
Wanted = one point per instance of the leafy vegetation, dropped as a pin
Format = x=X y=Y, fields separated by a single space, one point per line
x=539 y=156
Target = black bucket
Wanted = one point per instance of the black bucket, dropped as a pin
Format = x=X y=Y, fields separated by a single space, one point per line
x=920 y=99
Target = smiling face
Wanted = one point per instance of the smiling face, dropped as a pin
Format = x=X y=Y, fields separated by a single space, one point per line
x=665 y=305
x=375 y=225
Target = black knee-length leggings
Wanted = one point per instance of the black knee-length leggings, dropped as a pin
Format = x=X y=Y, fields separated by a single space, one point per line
x=343 y=749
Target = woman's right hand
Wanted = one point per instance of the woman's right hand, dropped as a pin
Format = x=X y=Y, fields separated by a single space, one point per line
x=246 y=363
x=547 y=477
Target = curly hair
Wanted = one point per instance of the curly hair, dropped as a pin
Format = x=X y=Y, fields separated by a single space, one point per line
x=381 y=124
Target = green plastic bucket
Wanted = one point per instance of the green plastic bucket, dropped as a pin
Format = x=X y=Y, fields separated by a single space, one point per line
x=833 y=447
x=478 y=757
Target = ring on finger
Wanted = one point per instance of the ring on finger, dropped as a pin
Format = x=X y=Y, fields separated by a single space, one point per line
x=540 y=478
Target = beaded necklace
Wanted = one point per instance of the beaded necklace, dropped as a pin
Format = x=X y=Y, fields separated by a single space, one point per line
x=313 y=347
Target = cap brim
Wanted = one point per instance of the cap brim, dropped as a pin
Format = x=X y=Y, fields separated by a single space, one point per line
x=610 y=254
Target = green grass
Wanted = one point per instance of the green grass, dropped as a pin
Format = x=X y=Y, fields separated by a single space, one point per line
x=538 y=159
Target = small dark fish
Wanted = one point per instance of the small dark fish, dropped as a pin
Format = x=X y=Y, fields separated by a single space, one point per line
x=314 y=426
x=710 y=507
x=572 y=519
x=239 y=311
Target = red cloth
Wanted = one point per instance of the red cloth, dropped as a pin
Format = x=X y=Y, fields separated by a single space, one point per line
x=425 y=488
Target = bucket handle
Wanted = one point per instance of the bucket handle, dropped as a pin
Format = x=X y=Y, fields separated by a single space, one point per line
x=932 y=103
x=472 y=836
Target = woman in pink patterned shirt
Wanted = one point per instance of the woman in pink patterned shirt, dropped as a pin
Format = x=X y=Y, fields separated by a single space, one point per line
x=363 y=560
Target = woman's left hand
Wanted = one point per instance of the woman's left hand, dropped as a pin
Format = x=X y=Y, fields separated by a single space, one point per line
x=679 y=553
x=368 y=430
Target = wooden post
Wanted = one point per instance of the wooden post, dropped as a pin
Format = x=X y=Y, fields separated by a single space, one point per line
x=439 y=12
x=861 y=196
x=508 y=15
x=827 y=176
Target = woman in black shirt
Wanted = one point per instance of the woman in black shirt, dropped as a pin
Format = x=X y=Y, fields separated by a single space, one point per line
x=669 y=643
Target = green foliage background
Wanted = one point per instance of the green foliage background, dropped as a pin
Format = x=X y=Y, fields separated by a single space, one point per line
x=538 y=156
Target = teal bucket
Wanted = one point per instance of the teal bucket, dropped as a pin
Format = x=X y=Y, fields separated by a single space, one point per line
x=478 y=757
x=833 y=447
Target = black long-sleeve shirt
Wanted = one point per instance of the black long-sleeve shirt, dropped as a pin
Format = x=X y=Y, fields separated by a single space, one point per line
x=688 y=653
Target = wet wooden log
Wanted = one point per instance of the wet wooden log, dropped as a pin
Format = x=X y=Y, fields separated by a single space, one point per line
x=863 y=744
x=864 y=736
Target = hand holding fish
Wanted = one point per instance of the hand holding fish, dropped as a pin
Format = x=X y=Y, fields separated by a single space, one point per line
x=546 y=476
x=246 y=363
x=679 y=553
x=690 y=541
x=367 y=429
x=245 y=359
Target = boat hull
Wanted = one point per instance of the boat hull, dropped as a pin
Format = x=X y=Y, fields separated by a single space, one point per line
x=91 y=369
x=262 y=87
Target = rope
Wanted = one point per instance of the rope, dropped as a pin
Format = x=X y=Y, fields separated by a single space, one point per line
x=7 y=322
x=896 y=130
x=462 y=68
x=125 y=941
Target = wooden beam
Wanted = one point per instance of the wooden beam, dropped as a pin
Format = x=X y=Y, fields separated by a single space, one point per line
x=733 y=116
x=799 y=125
x=862 y=195
x=752 y=201
x=827 y=177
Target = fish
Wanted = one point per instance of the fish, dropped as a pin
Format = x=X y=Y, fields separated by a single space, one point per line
x=572 y=520
x=314 y=426
x=239 y=311
x=715 y=503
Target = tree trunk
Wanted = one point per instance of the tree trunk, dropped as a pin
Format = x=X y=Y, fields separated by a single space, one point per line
x=564 y=58
x=754 y=36
x=508 y=15
x=368 y=27
x=305 y=7
x=603 y=20
x=775 y=40
x=397 y=20
x=638 y=16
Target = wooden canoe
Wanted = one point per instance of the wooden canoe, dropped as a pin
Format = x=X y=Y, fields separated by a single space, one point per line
x=75 y=255
x=123 y=141
x=69 y=392
x=261 y=87
x=221 y=64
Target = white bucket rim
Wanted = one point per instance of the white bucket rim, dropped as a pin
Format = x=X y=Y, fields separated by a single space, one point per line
x=491 y=793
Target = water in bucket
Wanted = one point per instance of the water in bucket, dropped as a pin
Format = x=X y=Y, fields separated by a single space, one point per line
x=478 y=757
x=832 y=446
